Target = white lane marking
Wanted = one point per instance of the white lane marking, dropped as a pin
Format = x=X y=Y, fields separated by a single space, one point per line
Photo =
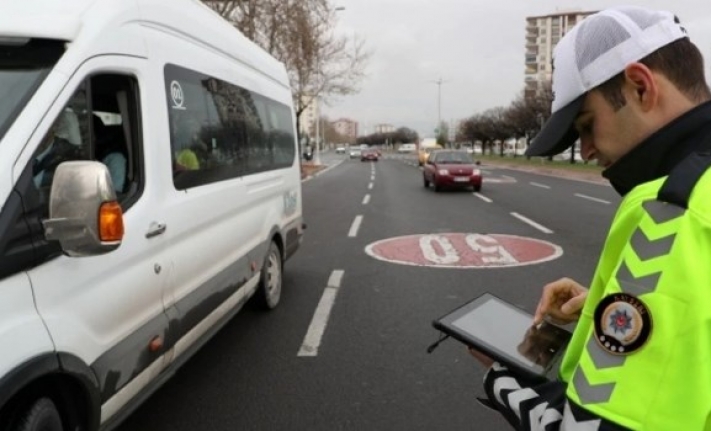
x=355 y=226
x=370 y=186
x=482 y=197
x=314 y=334
x=532 y=223
x=366 y=199
x=372 y=178
x=543 y=186
x=590 y=198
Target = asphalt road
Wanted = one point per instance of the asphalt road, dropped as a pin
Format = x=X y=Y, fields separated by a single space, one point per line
x=369 y=370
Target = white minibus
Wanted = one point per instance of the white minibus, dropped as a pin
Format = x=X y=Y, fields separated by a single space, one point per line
x=149 y=186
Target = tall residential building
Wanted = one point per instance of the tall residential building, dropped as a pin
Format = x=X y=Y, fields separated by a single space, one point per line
x=346 y=128
x=542 y=35
x=384 y=128
x=307 y=119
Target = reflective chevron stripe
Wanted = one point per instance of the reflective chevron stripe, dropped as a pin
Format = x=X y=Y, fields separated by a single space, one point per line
x=588 y=393
x=649 y=249
x=601 y=358
x=662 y=212
x=569 y=422
x=636 y=285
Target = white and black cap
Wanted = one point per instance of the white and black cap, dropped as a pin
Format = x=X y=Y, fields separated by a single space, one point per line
x=598 y=48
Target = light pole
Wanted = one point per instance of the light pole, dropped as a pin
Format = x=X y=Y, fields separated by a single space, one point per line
x=439 y=83
x=317 y=154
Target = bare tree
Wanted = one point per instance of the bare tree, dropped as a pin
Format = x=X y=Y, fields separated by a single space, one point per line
x=300 y=33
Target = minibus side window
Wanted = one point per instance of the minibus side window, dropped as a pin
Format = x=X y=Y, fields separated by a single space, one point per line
x=220 y=131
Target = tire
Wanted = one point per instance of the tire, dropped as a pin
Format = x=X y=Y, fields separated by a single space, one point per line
x=477 y=188
x=437 y=187
x=271 y=278
x=41 y=416
x=426 y=183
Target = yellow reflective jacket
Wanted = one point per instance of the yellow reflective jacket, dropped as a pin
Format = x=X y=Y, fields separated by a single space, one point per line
x=660 y=254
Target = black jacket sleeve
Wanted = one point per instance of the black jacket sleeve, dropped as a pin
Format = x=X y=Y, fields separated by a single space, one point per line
x=536 y=406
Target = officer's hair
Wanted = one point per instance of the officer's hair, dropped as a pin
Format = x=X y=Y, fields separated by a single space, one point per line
x=680 y=62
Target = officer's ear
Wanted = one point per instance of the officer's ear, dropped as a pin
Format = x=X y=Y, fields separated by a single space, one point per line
x=641 y=87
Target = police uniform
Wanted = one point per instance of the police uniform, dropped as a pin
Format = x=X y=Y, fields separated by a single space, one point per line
x=640 y=356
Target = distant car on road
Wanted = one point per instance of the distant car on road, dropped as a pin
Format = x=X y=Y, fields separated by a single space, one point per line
x=407 y=148
x=354 y=152
x=451 y=168
x=341 y=150
x=370 y=154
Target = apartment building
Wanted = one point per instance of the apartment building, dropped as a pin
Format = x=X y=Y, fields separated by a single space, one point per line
x=542 y=35
x=347 y=128
x=308 y=117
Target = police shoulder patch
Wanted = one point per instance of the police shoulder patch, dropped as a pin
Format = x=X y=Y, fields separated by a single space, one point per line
x=622 y=323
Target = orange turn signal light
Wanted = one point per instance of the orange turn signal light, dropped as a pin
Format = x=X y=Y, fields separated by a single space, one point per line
x=110 y=222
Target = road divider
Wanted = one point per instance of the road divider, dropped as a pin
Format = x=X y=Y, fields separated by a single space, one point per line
x=314 y=335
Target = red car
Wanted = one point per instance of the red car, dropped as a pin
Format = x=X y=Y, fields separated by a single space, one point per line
x=445 y=168
x=369 y=155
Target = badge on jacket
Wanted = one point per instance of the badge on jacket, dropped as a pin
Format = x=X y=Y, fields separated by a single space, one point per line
x=622 y=324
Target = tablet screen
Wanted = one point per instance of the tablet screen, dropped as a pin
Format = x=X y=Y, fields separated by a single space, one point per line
x=505 y=332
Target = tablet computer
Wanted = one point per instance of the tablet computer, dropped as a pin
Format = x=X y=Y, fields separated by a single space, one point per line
x=505 y=333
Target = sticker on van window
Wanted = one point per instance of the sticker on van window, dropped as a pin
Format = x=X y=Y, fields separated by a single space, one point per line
x=176 y=93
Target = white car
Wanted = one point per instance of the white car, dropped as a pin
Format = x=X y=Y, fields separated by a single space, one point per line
x=340 y=150
x=354 y=153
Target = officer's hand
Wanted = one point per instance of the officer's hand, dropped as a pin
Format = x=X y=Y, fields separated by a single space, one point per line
x=562 y=302
x=481 y=357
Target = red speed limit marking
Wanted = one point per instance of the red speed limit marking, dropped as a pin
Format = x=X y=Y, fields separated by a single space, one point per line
x=464 y=250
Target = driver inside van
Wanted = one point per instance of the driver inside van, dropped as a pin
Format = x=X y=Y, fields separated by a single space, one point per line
x=62 y=143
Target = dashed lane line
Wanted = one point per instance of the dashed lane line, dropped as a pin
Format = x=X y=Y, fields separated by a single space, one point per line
x=366 y=199
x=314 y=335
x=543 y=186
x=355 y=226
x=532 y=223
x=482 y=197
x=590 y=198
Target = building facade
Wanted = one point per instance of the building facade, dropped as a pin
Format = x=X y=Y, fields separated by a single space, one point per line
x=308 y=117
x=347 y=128
x=542 y=35
x=384 y=128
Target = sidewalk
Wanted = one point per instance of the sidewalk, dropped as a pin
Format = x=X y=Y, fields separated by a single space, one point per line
x=308 y=169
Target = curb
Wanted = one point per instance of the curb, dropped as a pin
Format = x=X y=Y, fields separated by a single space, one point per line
x=569 y=175
x=320 y=172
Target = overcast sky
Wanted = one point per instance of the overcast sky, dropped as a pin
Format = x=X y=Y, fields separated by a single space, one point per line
x=476 y=46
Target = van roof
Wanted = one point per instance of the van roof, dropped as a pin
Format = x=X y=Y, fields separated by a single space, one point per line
x=76 y=20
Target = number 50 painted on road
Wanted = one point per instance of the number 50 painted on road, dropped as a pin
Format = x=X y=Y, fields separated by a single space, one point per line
x=464 y=250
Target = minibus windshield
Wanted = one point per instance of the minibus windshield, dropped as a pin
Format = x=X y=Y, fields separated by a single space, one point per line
x=24 y=63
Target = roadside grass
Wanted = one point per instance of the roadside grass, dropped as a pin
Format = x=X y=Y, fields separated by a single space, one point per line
x=539 y=162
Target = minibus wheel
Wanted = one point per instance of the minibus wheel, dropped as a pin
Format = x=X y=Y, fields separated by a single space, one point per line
x=271 y=278
x=41 y=416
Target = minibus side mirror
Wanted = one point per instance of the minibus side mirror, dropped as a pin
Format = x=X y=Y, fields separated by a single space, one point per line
x=84 y=214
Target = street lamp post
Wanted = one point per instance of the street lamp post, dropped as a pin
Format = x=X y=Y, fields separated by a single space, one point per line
x=439 y=83
x=317 y=154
